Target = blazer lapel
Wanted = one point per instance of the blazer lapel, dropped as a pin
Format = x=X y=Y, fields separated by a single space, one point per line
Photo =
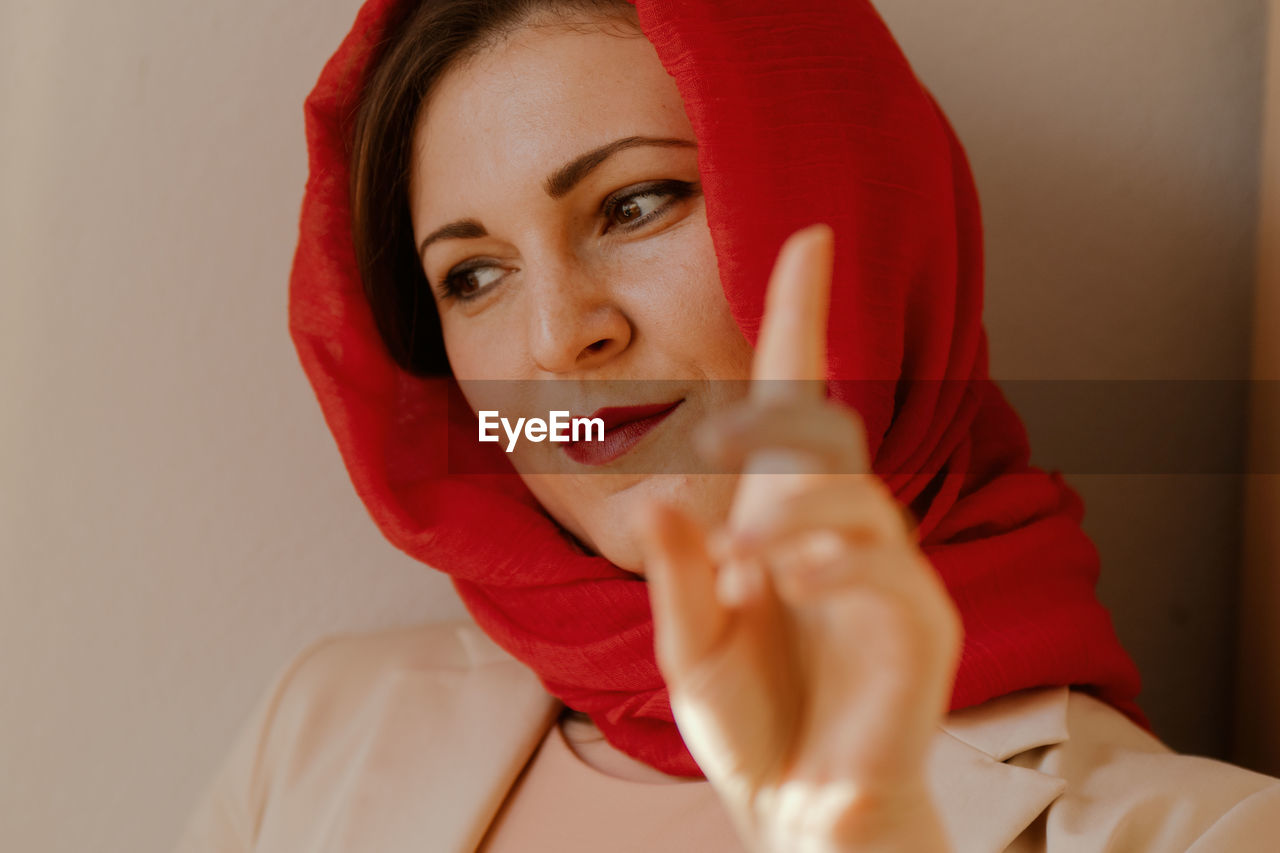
x=985 y=803
x=443 y=750
x=436 y=751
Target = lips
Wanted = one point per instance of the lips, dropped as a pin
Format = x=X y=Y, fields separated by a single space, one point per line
x=624 y=426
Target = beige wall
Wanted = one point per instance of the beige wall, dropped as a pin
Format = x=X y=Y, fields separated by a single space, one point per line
x=1116 y=148
x=174 y=521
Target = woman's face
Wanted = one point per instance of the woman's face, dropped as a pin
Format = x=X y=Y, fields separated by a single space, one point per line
x=555 y=195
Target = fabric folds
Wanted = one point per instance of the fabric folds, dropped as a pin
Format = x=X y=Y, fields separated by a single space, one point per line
x=804 y=111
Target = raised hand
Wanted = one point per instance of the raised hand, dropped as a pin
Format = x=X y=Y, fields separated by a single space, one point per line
x=809 y=647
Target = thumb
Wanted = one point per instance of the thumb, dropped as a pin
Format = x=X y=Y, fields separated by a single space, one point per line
x=687 y=617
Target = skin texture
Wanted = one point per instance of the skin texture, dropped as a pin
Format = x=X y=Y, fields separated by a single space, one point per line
x=808 y=645
x=570 y=295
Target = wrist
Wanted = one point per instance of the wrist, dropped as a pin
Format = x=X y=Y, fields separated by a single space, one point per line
x=902 y=821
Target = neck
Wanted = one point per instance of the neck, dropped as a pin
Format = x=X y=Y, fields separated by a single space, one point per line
x=588 y=743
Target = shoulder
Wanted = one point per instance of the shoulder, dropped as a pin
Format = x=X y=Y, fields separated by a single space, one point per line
x=348 y=679
x=1126 y=790
x=1107 y=751
x=1056 y=769
x=351 y=662
x=354 y=715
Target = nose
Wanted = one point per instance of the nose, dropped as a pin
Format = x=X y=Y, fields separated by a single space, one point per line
x=576 y=320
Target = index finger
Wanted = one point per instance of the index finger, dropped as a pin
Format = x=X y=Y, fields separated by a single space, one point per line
x=791 y=350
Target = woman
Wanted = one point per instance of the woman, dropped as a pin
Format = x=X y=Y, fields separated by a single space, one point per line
x=504 y=193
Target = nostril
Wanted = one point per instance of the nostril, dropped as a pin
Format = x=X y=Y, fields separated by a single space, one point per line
x=598 y=345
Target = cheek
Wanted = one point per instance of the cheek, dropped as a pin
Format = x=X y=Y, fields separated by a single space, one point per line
x=695 y=315
x=477 y=352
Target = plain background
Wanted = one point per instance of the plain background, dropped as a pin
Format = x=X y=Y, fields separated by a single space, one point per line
x=175 y=522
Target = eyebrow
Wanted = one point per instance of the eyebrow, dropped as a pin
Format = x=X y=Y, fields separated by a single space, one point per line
x=558 y=183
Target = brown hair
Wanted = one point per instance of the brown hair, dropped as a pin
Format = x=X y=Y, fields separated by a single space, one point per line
x=423 y=39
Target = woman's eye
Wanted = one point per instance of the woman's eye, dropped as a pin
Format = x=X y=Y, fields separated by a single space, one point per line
x=467 y=282
x=636 y=208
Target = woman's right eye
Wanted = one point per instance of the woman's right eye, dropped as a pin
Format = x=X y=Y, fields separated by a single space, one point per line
x=464 y=283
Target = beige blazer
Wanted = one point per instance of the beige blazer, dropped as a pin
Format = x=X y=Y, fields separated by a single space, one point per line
x=407 y=741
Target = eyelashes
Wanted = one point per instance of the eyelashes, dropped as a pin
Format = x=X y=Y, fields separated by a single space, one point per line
x=627 y=200
x=625 y=210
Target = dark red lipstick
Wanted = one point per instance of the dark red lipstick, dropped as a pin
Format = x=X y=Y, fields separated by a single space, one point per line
x=623 y=427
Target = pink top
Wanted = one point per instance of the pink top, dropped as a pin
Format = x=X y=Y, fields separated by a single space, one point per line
x=579 y=793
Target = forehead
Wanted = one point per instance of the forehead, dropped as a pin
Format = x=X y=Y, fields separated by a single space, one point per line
x=538 y=98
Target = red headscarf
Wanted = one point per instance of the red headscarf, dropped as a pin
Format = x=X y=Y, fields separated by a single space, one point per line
x=811 y=105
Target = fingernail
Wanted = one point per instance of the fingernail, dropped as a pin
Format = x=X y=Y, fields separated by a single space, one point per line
x=745 y=542
x=737 y=583
x=729 y=587
x=820 y=228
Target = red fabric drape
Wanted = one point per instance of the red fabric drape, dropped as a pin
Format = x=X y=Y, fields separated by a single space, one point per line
x=810 y=105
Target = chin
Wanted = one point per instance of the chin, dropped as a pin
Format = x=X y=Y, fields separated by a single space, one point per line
x=705 y=498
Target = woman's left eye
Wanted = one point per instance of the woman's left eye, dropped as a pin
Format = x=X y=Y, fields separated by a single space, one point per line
x=641 y=206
